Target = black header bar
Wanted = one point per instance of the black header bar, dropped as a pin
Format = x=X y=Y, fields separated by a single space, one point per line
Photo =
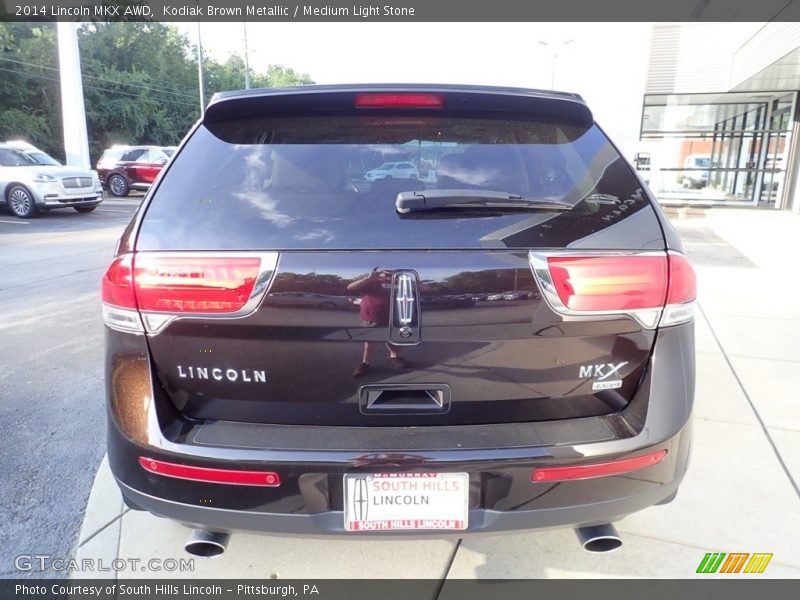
x=401 y=10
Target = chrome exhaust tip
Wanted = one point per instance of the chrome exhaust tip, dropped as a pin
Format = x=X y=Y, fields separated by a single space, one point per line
x=599 y=538
x=206 y=544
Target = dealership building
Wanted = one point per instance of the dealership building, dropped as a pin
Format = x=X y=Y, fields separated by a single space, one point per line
x=720 y=120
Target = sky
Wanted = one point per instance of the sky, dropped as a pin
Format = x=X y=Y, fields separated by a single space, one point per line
x=604 y=62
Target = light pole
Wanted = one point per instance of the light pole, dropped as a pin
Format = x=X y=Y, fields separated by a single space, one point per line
x=73 y=112
x=200 y=71
x=246 y=60
x=555 y=48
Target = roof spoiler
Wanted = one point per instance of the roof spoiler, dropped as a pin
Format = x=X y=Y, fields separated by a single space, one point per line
x=341 y=99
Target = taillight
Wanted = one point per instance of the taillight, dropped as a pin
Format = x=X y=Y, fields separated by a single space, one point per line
x=194 y=285
x=640 y=285
x=163 y=286
x=119 y=299
x=117 y=288
x=209 y=475
x=399 y=100
x=617 y=467
x=609 y=283
x=682 y=291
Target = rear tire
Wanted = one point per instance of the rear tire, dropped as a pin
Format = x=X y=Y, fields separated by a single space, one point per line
x=118 y=185
x=85 y=209
x=21 y=202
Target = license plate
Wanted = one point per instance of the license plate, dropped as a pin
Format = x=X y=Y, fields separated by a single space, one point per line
x=395 y=501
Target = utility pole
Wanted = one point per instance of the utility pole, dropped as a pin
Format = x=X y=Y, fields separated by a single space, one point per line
x=246 y=60
x=200 y=71
x=555 y=48
x=73 y=112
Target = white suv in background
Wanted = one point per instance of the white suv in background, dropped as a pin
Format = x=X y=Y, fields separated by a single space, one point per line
x=393 y=170
x=28 y=187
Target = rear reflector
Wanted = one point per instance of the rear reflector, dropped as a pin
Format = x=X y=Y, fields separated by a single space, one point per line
x=609 y=283
x=259 y=478
x=398 y=100
x=617 y=467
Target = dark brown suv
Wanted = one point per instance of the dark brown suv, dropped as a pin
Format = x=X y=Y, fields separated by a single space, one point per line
x=125 y=168
x=505 y=343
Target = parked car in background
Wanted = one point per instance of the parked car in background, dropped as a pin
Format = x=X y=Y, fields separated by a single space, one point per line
x=125 y=168
x=393 y=170
x=28 y=187
x=40 y=156
x=694 y=177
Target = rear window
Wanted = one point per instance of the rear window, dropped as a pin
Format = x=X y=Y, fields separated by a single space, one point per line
x=331 y=183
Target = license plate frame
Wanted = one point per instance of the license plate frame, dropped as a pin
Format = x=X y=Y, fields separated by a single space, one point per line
x=395 y=501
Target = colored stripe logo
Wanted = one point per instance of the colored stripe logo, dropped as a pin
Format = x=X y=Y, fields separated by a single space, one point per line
x=734 y=562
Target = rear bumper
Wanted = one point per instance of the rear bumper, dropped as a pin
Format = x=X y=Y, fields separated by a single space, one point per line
x=312 y=461
x=331 y=523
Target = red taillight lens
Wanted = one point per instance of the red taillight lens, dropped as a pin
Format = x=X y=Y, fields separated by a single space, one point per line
x=398 y=100
x=682 y=280
x=259 y=478
x=609 y=283
x=194 y=284
x=616 y=467
x=117 y=286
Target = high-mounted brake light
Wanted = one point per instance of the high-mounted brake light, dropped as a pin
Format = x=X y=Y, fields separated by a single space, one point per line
x=230 y=476
x=151 y=289
x=645 y=286
x=399 y=100
x=617 y=467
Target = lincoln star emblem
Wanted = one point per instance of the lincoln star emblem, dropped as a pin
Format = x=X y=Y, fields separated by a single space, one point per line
x=404 y=298
x=360 y=499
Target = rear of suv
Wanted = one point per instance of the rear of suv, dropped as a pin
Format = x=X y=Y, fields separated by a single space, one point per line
x=518 y=352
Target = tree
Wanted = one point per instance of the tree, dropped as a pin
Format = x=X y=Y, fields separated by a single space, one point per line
x=139 y=84
x=139 y=81
x=29 y=88
x=229 y=75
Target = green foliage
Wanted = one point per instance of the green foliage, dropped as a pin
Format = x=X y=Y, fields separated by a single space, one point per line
x=139 y=80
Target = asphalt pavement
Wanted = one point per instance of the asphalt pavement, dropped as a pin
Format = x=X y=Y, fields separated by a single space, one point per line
x=52 y=415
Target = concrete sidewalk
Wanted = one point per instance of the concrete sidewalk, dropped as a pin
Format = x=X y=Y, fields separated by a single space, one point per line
x=740 y=495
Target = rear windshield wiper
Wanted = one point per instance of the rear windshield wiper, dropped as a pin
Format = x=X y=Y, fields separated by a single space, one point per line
x=418 y=201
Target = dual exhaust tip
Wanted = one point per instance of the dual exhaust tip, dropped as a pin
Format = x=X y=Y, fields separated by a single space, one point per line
x=595 y=539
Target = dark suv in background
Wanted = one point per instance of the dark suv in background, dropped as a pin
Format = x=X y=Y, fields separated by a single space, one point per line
x=125 y=168
x=519 y=353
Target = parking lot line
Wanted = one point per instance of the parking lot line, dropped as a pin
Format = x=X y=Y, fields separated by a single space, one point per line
x=15 y=222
